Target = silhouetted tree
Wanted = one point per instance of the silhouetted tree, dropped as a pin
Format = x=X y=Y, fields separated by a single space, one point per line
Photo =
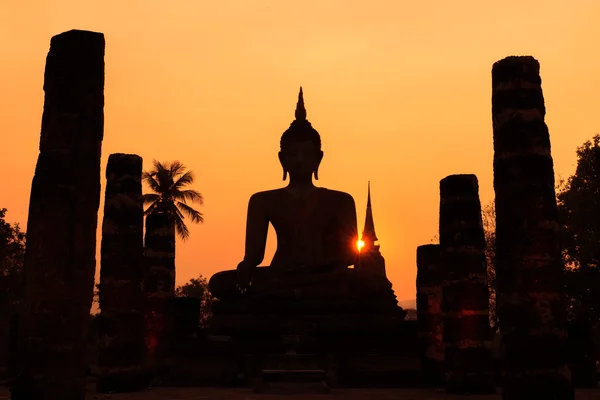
x=579 y=215
x=12 y=255
x=488 y=215
x=96 y=298
x=168 y=181
x=198 y=288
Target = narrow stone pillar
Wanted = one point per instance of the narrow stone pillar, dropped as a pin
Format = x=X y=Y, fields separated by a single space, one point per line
x=60 y=259
x=467 y=333
x=13 y=346
x=159 y=283
x=186 y=316
x=121 y=334
x=429 y=313
x=186 y=324
x=529 y=271
x=159 y=254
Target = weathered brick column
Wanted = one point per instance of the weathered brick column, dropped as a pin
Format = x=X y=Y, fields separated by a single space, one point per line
x=186 y=323
x=529 y=271
x=467 y=334
x=159 y=282
x=429 y=313
x=159 y=254
x=121 y=335
x=60 y=259
x=13 y=346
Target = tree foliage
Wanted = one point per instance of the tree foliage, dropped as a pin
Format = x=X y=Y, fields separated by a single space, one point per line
x=198 y=288
x=578 y=201
x=488 y=216
x=12 y=256
x=168 y=182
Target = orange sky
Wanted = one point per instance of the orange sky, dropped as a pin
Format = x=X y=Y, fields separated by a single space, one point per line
x=400 y=92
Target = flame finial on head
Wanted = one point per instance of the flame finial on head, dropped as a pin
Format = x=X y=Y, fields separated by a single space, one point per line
x=300 y=110
x=301 y=129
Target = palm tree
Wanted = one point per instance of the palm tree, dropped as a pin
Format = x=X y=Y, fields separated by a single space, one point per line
x=168 y=182
x=167 y=208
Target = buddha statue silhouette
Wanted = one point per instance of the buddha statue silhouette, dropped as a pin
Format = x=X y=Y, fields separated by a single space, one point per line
x=316 y=232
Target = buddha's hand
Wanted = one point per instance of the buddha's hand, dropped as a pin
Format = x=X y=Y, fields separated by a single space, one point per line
x=244 y=276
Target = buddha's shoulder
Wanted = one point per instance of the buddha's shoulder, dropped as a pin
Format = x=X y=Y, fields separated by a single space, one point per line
x=338 y=196
x=266 y=196
x=270 y=196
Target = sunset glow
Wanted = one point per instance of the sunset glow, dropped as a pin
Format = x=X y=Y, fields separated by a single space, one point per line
x=360 y=244
x=401 y=88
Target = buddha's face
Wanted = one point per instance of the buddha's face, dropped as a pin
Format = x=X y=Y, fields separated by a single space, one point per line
x=300 y=158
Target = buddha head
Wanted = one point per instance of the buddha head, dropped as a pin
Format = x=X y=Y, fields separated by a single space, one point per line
x=300 y=153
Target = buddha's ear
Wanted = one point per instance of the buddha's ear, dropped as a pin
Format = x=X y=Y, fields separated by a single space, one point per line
x=319 y=158
x=283 y=166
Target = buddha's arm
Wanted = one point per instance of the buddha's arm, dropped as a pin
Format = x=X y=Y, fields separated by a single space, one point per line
x=257 y=225
x=349 y=231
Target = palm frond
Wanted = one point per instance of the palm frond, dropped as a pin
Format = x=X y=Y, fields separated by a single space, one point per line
x=148 y=177
x=186 y=179
x=150 y=198
x=167 y=180
x=151 y=208
x=158 y=166
x=194 y=215
x=181 y=229
x=189 y=195
x=158 y=178
x=180 y=226
x=164 y=179
x=176 y=168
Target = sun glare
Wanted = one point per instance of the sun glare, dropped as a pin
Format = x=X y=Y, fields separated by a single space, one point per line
x=360 y=244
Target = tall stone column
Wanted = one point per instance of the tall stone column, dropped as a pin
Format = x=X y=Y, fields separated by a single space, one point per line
x=60 y=258
x=159 y=282
x=429 y=313
x=159 y=254
x=529 y=271
x=121 y=335
x=467 y=333
x=13 y=346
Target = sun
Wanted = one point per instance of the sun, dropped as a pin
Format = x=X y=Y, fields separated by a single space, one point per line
x=360 y=244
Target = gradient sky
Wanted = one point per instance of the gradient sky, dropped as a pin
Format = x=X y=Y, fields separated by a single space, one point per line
x=400 y=92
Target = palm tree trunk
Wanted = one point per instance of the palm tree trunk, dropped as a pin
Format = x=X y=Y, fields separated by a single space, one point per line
x=60 y=258
x=529 y=271
x=121 y=324
x=467 y=335
x=159 y=282
x=429 y=313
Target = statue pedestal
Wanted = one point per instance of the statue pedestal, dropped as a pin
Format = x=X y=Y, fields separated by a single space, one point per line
x=270 y=336
x=290 y=372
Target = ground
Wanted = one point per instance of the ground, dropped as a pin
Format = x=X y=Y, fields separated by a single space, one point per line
x=338 y=394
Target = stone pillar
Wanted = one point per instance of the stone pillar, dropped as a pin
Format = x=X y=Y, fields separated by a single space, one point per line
x=529 y=270
x=60 y=259
x=159 y=254
x=186 y=323
x=429 y=313
x=121 y=347
x=159 y=282
x=186 y=316
x=13 y=346
x=467 y=333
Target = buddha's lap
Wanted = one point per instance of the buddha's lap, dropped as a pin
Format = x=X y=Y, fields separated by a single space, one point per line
x=266 y=280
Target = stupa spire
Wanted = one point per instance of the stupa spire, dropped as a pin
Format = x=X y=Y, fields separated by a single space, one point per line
x=300 y=110
x=368 y=235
